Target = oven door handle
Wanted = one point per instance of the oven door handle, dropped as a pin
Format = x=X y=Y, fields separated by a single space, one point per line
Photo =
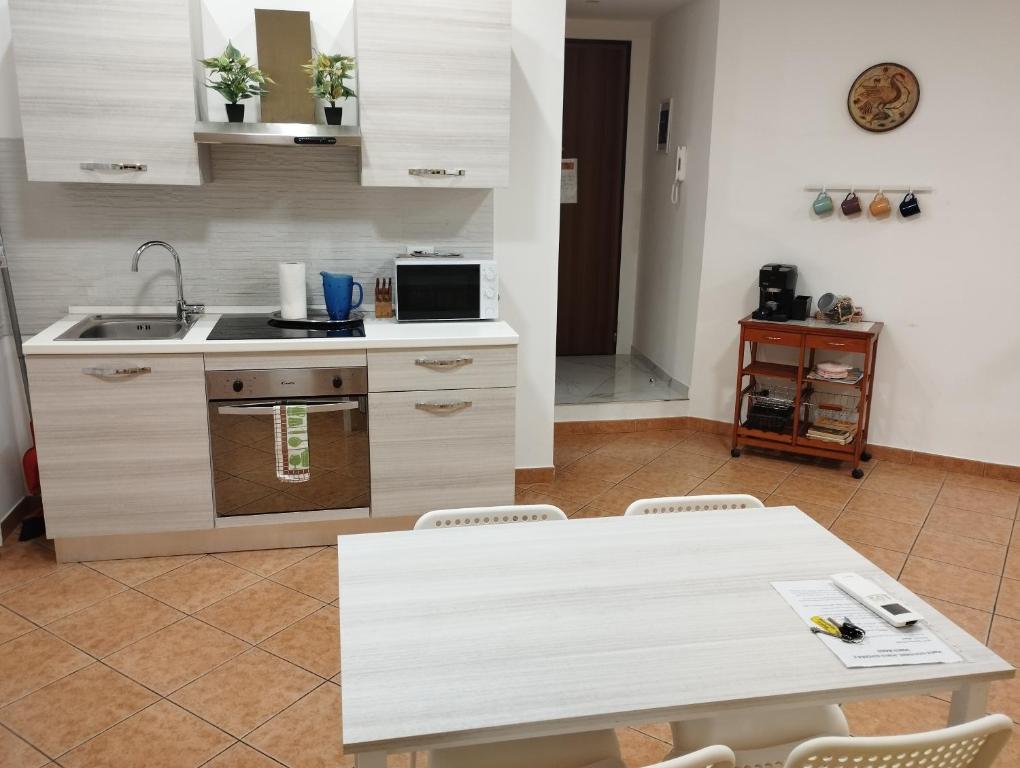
x=264 y=409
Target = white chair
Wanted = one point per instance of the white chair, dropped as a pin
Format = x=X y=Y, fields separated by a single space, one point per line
x=512 y=513
x=971 y=745
x=596 y=749
x=762 y=737
x=693 y=504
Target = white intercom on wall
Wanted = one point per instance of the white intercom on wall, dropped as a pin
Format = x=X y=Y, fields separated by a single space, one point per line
x=680 y=173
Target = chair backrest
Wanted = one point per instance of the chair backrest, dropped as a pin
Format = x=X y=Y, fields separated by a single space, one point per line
x=693 y=504
x=512 y=513
x=709 y=757
x=971 y=745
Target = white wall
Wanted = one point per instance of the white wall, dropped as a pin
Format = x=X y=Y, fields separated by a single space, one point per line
x=527 y=219
x=945 y=283
x=639 y=33
x=682 y=68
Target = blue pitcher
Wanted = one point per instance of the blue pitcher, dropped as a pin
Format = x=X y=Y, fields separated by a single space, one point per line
x=339 y=292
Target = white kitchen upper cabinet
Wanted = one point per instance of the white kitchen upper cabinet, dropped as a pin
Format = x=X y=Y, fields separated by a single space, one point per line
x=108 y=84
x=434 y=92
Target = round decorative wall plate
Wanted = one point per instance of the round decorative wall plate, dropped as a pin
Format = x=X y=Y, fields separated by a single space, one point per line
x=883 y=97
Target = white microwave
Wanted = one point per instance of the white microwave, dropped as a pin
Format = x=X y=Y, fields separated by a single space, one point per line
x=434 y=288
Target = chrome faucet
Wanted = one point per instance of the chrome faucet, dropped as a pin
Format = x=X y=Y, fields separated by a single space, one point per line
x=183 y=308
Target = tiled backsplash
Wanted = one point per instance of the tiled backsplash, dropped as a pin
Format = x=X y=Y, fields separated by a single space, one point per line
x=71 y=244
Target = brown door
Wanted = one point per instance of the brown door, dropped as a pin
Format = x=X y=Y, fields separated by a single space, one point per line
x=595 y=91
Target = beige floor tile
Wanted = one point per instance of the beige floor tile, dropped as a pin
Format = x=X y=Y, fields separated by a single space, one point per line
x=822 y=514
x=590 y=510
x=658 y=731
x=265 y=562
x=1012 y=569
x=16 y=753
x=615 y=501
x=639 y=749
x=115 y=622
x=596 y=466
x=776 y=460
x=530 y=496
x=901 y=485
x=1004 y=697
x=889 y=507
x=663 y=480
x=993 y=484
x=241 y=756
x=160 y=736
x=976 y=622
x=33 y=660
x=974 y=525
x=197 y=584
x=12 y=625
x=641 y=447
x=571 y=488
x=912 y=471
x=713 y=487
x=705 y=444
x=175 y=656
x=976 y=500
x=569 y=448
x=307 y=733
x=75 y=708
x=888 y=560
x=1004 y=639
x=22 y=561
x=887 y=717
x=832 y=471
x=1008 y=603
x=68 y=590
x=831 y=493
x=877 y=532
x=969 y=553
x=759 y=481
x=312 y=643
x=134 y=571
x=258 y=611
x=963 y=586
x=245 y=692
x=687 y=462
x=316 y=576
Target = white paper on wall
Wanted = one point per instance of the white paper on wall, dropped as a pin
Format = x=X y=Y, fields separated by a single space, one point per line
x=568 y=180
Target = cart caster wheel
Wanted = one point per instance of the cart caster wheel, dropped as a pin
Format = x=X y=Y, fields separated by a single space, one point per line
x=865 y=456
x=735 y=453
x=857 y=473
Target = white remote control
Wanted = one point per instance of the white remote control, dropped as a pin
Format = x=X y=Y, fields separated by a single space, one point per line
x=869 y=594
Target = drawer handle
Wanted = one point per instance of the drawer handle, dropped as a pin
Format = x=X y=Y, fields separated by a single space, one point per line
x=432 y=173
x=443 y=363
x=447 y=406
x=111 y=373
x=836 y=343
x=136 y=167
x=774 y=338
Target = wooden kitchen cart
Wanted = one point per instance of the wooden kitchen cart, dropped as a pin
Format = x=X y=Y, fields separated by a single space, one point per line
x=786 y=402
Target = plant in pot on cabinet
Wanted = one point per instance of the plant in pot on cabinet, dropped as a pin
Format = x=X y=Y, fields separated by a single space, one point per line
x=328 y=73
x=237 y=80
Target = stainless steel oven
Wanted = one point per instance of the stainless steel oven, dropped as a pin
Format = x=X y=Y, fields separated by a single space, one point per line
x=243 y=408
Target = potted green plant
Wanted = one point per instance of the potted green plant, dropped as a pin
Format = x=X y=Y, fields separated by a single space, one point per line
x=328 y=72
x=237 y=79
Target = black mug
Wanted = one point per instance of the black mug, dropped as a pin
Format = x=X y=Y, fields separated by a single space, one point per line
x=851 y=204
x=909 y=206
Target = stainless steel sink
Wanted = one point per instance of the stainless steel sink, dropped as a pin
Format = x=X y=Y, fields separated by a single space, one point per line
x=128 y=327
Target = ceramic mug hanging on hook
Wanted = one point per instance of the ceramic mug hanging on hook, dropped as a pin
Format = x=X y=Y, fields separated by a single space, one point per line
x=851 y=204
x=909 y=206
x=822 y=204
x=880 y=205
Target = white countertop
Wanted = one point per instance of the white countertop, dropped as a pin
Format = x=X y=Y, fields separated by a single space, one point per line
x=379 y=334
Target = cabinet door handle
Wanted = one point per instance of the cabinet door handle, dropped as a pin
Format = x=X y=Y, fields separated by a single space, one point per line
x=136 y=167
x=111 y=373
x=836 y=344
x=774 y=338
x=444 y=363
x=436 y=172
x=446 y=406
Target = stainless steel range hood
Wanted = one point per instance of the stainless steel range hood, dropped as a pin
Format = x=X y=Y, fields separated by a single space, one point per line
x=278 y=134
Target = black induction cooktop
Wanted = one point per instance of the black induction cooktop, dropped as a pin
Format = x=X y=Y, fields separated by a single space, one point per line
x=236 y=327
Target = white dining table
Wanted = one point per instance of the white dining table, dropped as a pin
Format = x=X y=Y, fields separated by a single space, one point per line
x=487 y=633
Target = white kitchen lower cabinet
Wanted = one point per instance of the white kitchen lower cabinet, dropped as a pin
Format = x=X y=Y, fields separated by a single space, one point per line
x=123 y=443
x=441 y=449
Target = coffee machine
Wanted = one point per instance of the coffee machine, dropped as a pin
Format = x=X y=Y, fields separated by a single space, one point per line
x=777 y=286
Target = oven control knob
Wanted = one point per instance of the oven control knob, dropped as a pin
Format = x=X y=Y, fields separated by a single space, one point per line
x=490 y=293
x=238 y=385
x=490 y=273
x=337 y=382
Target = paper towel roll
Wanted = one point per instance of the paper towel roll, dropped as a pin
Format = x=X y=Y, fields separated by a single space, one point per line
x=293 y=298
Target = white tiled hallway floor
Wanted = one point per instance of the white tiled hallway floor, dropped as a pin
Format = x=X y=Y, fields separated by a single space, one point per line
x=231 y=660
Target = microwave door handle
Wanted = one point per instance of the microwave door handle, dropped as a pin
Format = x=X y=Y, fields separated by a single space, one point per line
x=263 y=409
